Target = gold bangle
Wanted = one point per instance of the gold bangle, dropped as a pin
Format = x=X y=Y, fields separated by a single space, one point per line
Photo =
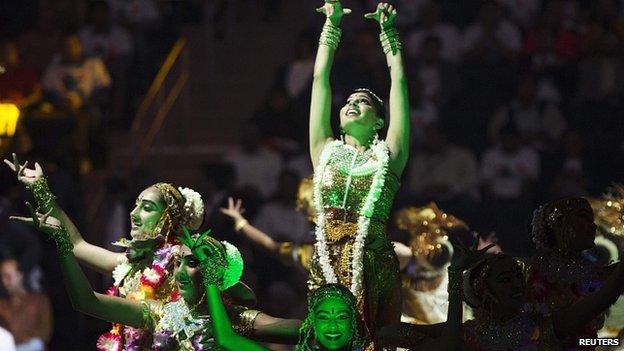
x=240 y=224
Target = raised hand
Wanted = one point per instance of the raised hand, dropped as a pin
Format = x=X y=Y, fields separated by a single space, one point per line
x=203 y=250
x=334 y=11
x=25 y=175
x=234 y=210
x=385 y=14
x=45 y=223
x=464 y=257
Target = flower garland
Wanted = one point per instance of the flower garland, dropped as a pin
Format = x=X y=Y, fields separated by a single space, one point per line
x=380 y=150
x=150 y=280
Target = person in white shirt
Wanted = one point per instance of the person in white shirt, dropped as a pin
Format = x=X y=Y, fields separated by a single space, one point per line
x=104 y=39
x=432 y=25
x=7 y=343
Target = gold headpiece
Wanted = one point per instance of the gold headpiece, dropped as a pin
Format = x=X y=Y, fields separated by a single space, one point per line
x=428 y=227
x=609 y=210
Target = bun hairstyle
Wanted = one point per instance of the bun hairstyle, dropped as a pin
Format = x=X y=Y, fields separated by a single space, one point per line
x=377 y=102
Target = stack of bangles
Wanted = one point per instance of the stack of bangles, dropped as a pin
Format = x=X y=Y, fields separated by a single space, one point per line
x=42 y=194
x=330 y=36
x=240 y=224
x=390 y=41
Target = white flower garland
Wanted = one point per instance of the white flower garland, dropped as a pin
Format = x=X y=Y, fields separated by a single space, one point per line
x=193 y=208
x=380 y=150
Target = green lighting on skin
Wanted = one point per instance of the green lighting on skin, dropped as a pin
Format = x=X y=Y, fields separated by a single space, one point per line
x=332 y=323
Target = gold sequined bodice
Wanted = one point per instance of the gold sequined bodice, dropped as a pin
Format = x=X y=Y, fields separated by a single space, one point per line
x=346 y=182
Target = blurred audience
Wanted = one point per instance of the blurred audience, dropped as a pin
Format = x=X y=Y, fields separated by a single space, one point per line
x=28 y=314
x=431 y=25
x=279 y=217
x=19 y=82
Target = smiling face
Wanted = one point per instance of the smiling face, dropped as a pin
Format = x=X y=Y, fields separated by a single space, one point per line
x=333 y=323
x=506 y=284
x=188 y=276
x=359 y=116
x=150 y=206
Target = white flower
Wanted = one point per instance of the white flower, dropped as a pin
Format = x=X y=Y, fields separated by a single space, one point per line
x=193 y=208
x=120 y=272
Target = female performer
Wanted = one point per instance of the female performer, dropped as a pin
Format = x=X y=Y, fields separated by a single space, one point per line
x=357 y=175
x=182 y=323
x=145 y=270
x=561 y=274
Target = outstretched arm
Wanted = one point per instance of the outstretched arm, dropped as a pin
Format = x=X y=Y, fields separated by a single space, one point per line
x=320 y=105
x=81 y=294
x=398 y=129
x=258 y=237
x=93 y=256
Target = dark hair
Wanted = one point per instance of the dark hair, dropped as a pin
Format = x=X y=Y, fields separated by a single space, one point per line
x=377 y=102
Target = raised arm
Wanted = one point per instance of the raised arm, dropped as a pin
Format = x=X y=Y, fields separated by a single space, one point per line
x=320 y=105
x=81 y=294
x=568 y=321
x=399 y=125
x=91 y=255
x=257 y=237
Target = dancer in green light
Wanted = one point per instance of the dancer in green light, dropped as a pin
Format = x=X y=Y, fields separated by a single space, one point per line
x=357 y=175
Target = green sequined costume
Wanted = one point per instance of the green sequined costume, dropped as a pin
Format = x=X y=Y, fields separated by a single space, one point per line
x=352 y=186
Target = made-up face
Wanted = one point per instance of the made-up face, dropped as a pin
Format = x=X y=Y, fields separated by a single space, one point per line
x=580 y=227
x=188 y=277
x=506 y=284
x=359 y=116
x=333 y=325
x=149 y=207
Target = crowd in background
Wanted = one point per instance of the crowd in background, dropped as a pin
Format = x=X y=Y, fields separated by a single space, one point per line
x=513 y=103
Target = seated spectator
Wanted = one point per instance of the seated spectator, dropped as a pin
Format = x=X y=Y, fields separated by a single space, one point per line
x=438 y=77
x=431 y=25
x=509 y=169
x=71 y=80
x=491 y=39
x=279 y=217
x=566 y=171
x=19 y=83
x=104 y=39
x=423 y=112
x=538 y=123
x=281 y=122
x=255 y=166
x=28 y=314
x=295 y=78
x=442 y=171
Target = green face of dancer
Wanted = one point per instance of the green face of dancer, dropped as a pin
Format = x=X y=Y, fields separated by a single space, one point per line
x=150 y=206
x=359 y=115
x=188 y=276
x=332 y=324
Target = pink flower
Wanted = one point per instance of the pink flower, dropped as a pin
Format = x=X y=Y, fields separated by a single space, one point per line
x=153 y=276
x=113 y=291
x=109 y=342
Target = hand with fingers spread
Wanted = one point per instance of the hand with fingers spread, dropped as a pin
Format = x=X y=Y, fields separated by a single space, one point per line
x=209 y=253
x=25 y=175
x=334 y=11
x=49 y=225
x=45 y=223
x=385 y=14
x=235 y=211
x=464 y=257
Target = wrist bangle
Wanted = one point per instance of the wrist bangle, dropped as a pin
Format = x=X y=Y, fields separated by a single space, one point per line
x=330 y=36
x=42 y=193
x=390 y=41
x=240 y=224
